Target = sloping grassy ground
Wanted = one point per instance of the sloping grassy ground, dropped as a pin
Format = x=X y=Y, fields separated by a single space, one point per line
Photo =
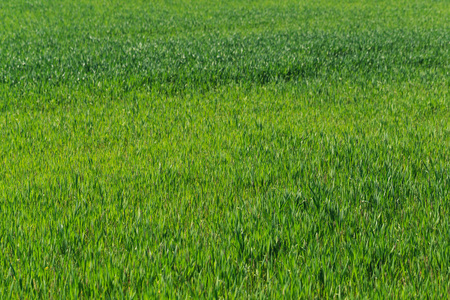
x=190 y=149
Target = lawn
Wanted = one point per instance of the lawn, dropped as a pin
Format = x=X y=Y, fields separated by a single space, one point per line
x=224 y=149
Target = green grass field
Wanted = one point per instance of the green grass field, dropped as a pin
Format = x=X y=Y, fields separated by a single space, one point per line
x=224 y=149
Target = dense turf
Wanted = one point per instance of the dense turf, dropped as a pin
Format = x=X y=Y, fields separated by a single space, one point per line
x=233 y=149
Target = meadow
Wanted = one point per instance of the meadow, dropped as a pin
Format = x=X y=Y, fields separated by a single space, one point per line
x=224 y=149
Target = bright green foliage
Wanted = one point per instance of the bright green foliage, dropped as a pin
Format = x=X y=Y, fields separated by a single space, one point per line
x=224 y=149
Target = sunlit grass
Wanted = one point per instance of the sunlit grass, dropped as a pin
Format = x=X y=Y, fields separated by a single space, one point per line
x=258 y=149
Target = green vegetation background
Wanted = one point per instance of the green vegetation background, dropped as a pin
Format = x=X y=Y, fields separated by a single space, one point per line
x=209 y=149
